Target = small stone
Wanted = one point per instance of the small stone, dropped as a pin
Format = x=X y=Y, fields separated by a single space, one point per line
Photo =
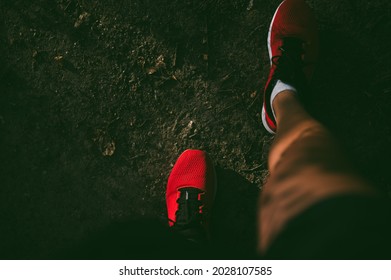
x=109 y=149
x=82 y=18
x=151 y=70
x=58 y=58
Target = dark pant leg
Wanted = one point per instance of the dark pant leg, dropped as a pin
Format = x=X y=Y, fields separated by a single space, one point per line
x=345 y=227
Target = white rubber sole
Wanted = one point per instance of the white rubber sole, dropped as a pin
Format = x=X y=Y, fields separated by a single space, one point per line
x=264 y=122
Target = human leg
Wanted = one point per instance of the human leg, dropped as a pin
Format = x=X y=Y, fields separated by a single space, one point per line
x=306 y=166
x=306 y=163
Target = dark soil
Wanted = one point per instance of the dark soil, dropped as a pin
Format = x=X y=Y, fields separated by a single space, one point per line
x=99 y=98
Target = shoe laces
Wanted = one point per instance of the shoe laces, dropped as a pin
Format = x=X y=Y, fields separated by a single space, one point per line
x=289 y=64
x=189 y=208
x=291 y=54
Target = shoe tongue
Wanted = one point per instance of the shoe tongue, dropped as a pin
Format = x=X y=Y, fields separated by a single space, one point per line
x=189 y=222
x=292 y=48
x=188 y=206
x=290 y=63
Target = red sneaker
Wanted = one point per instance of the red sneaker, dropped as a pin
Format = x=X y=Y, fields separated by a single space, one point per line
x=190 y=194
x=293 y=50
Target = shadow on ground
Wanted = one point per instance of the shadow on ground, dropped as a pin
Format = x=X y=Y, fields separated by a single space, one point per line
x=233 y=231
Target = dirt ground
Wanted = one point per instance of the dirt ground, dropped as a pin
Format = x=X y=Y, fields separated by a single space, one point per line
x=99 y=98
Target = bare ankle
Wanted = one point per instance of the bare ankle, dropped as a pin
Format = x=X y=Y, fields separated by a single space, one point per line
x=285 y=99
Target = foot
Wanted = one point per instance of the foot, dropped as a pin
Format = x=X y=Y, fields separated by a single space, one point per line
x=293 y=50
x=190 y=194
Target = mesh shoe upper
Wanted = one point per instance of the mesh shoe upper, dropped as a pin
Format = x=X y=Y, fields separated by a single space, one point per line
x=190 y=190
x=293 y=50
